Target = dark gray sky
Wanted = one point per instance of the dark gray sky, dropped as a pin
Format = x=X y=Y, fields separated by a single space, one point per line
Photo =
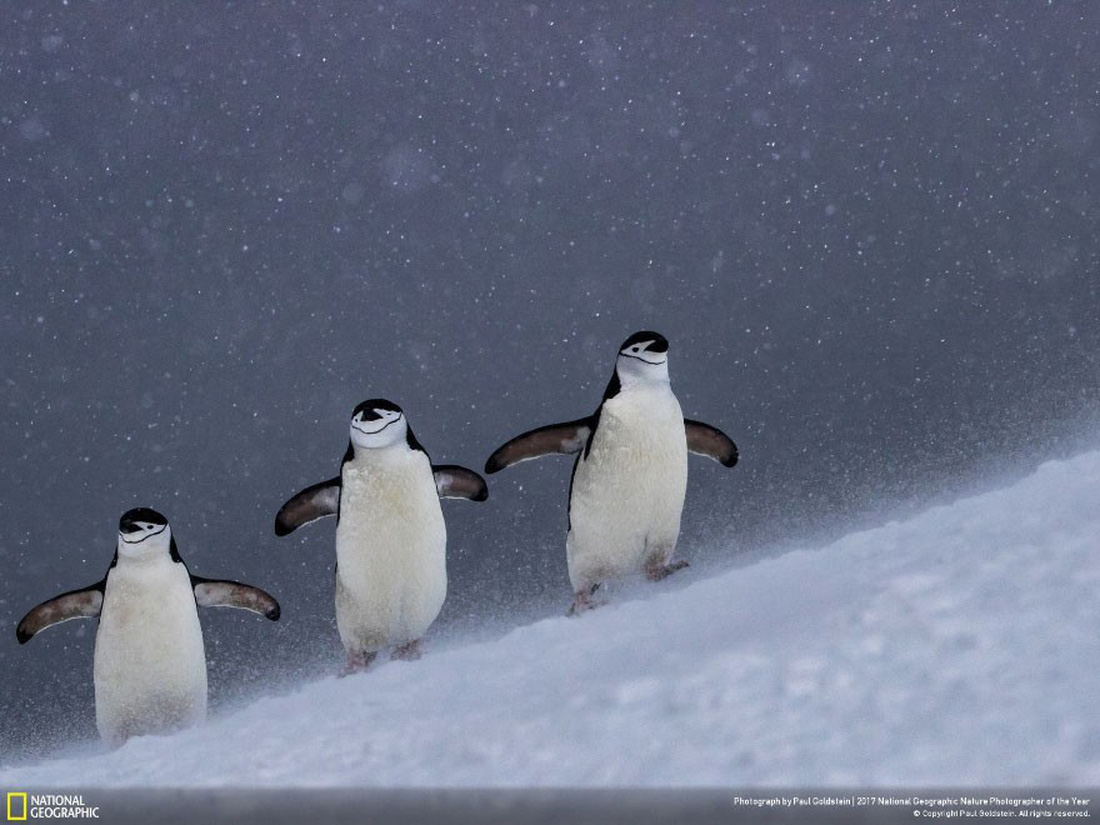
x=869 y=231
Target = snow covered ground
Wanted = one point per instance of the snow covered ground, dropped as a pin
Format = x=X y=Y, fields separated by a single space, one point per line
x=959 y=647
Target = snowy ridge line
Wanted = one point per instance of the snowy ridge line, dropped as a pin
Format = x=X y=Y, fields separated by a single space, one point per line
x=956 y=648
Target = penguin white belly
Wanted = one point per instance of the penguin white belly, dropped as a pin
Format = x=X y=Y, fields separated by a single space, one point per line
x=150 y=664
x=391 y=576
x=628 y=494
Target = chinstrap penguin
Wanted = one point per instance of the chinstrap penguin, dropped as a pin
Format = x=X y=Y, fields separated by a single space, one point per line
x=149 y=662
x=391 y=574
x=627 y=490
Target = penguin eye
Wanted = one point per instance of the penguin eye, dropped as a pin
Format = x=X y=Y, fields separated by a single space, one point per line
x=634 y=349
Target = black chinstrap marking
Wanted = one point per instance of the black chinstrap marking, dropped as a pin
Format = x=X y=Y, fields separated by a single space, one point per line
x=143 y=538
x=644 y=361
x=374 y=432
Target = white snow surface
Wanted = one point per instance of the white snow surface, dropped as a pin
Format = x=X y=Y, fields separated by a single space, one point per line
x=960 y=647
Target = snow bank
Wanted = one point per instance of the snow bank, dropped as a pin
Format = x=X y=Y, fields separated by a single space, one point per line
x=959 y=647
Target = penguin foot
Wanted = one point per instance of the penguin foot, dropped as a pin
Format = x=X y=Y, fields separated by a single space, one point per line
x=408 y=652
x=656 y=572
x=357 y=662
x=583 y=601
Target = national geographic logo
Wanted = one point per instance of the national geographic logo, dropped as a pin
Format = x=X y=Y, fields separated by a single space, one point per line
x=22 y=806
x=17 y=807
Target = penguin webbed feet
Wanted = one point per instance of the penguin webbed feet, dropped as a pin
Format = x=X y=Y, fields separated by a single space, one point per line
x=360 y=661
x=408 y=652
x=583 y=601
x=357 y=663
x=656 y=572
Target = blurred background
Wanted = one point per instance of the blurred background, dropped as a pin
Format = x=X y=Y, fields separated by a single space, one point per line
x=868 y=230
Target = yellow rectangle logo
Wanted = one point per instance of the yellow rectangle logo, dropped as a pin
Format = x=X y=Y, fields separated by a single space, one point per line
x=12 y=815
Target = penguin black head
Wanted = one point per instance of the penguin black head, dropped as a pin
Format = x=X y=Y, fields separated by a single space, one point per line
x=645 y=341
x=143 y=526
x=377 y=423
x=375 y=409
x=643 y=359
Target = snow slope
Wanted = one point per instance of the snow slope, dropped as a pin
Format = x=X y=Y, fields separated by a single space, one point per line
x=959 y=647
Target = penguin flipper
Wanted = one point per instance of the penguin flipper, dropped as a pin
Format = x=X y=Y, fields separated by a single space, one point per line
x=452 y=481
x=221 y=593
x=312 y=503
x=703 y=439
x=566 y=438
x=76 y=604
